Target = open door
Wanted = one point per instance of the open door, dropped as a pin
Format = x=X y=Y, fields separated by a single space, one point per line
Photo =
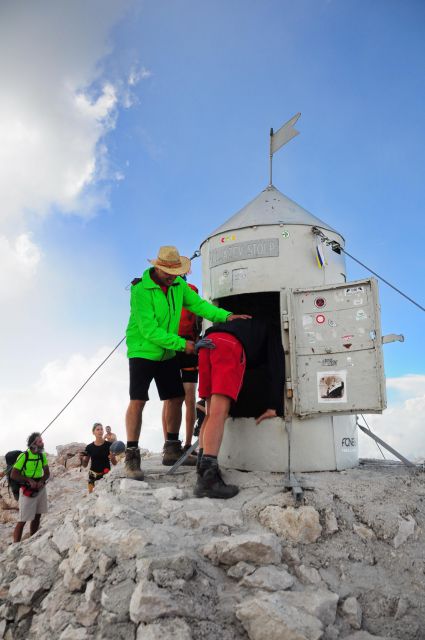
x=336 y=349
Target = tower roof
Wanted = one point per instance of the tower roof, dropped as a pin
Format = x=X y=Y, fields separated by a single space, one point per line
x=271 y=207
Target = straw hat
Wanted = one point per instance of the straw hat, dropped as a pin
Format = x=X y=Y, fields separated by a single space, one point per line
x=170 y=261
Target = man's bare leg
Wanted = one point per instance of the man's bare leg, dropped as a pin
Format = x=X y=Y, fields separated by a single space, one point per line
x=190 y=404
x=213 y=427
x=133 y=423
x=35 y=524
x=164 y=419
x=17 y=533
x=133 y=419
x=173 y=415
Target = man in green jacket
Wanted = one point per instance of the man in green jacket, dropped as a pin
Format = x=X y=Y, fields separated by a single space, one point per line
x=157 y=299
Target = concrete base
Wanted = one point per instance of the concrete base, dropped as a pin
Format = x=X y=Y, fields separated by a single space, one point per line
x=322 y=443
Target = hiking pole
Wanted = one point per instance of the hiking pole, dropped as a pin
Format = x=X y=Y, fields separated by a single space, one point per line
x=182 y=458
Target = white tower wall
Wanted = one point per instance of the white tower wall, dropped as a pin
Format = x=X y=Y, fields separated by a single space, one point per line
x=257 y=251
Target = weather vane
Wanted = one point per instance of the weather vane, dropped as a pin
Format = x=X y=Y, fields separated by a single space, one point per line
x=281 y=137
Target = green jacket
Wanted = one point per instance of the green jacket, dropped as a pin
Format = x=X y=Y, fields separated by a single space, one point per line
x=152 y=330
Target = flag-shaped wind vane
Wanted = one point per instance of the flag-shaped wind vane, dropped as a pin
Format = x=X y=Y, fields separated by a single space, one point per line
x=281 y=137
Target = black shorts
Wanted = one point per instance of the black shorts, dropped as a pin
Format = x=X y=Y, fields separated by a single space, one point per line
x=166 y=374
x=188 y=364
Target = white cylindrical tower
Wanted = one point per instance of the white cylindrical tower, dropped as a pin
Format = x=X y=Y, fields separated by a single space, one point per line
x=248 y=264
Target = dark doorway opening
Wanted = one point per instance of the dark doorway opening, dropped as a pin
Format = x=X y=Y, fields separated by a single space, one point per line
x=252 y=401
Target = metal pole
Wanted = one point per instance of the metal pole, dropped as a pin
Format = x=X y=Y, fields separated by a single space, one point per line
x=271 y=158
x=387 y=446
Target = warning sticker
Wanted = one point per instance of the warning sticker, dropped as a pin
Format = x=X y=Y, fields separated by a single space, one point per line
x=332 y=386
x=353 y=290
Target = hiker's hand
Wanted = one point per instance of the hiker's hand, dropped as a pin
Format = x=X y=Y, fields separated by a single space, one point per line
x=204 y=343
x=190 y=347
x=32 y=483
x=241 y=316
x=269 y=413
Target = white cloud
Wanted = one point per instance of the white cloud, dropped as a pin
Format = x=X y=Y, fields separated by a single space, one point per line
x=401 y=425
x=19 y=260
x=104 y=399
x=57 y=105
x=58 y=101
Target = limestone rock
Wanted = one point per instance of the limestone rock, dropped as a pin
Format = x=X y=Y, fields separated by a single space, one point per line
x=65 y=536
x=256 y=548
x=82 y=562
x=127 y=485
x=121 y=543
x=364 y=532
x=168 y=493
x=268 y=578
x=352 y=612
x=270 y=617
x=210 y=520
x=402 y=608
x=320 y=603
x=24 y=590
x=149 y=602
x=331 y=523
x=300 y=525
x=104 y=564
x=73 y=633
x=68 y=454
x=406 y=528
x=70 y=580
x=116 y=598
x=240 y=569
x=307 y=575
x=87 y=613
x=364 y=635
x=182 y=566
x=177 y=629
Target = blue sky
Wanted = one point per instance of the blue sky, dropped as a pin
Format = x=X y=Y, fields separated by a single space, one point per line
x=127 y=125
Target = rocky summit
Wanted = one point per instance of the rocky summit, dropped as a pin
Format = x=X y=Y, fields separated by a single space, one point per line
x=148 y=561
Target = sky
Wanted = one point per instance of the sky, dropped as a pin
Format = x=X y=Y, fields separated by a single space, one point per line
x=126 y=125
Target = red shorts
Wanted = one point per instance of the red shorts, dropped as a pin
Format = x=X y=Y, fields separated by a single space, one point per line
x=221 y=370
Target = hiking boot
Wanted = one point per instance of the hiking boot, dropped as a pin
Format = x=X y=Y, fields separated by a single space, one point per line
x=173 y=451
x=210 y=484
x=132 y=464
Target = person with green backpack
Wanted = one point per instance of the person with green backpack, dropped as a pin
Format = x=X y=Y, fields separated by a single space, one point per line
x=31 y=470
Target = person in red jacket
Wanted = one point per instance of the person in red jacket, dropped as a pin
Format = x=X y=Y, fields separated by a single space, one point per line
x=189 y=329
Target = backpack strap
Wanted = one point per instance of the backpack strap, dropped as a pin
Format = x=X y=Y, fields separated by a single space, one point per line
x=39 y=459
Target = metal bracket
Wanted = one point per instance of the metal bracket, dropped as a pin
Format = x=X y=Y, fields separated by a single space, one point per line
x=392 y=337
x=387 y=446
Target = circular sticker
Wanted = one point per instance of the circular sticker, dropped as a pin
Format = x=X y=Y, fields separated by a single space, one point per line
x=320 y=318
x=320 y=303
x=285 y=234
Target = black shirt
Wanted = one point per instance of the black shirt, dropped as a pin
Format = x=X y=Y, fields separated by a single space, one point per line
x=262 y=344
x=99 y=456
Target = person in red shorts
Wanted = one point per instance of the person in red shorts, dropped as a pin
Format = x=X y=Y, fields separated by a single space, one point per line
x=224 y=354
